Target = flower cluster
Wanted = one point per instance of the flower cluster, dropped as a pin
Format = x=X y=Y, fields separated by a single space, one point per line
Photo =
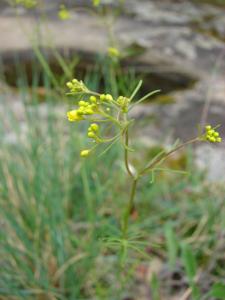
x=76 y=86
x=212 y=135
x=123 y=102
x=93 y=130
x=63 y=13
x=97 y=108
x=74 y=116
x=86 y=108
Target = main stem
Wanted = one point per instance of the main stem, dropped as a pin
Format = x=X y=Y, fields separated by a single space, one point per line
x=126 y=154
x=134 y=178
x=130 y=207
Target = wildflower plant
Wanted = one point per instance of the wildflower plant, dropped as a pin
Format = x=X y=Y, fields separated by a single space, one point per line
x=102 y=111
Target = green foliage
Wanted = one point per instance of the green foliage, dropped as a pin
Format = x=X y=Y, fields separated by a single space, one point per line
x=61 y=236
x=189 y=262
x=190 y=265
x=172 y=244
x=218 y=291
x=45 y=195
x=155 y=288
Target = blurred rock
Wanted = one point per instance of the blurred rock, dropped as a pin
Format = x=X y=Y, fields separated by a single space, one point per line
x=163 y=28
x=210 y=158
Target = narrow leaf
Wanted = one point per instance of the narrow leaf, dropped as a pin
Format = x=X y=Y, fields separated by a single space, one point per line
x=172 y=245
x=189 y=262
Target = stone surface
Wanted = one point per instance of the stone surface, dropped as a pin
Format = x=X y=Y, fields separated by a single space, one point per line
x=163 y=28
x=14 y=119
x=211 y=160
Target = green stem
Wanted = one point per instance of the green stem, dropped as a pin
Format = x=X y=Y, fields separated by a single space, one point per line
x=162 y=157
x=126 y=160
x=110 y=118
x=130 y=207
x=130 y=204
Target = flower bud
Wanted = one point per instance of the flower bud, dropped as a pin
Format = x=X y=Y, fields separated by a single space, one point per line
x=93 y=99
x=108 y=97
x=208 y=127
x=81 y=103
x=85 y=153
x=94 y=127
x=102 y=97
x=91 y=134
x=74 y=115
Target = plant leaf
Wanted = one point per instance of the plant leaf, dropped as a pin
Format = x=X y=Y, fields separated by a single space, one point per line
x=218 y=290
x=172 y=245
x=189 y=261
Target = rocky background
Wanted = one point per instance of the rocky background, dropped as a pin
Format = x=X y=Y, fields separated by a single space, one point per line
x=182 y=53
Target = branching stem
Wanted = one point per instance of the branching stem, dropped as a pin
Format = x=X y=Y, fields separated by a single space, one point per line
x=162 y=157
x=135 y=178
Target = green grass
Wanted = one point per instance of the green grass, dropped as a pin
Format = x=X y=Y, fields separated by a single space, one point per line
x=60 y=231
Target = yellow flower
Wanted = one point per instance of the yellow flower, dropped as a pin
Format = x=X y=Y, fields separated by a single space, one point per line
x=76 y=86
x=85 y=153
x=123 y=102
x=74 y=116
x=113 y=52
x=93 y=131
x=63 y=13
x=96 y=2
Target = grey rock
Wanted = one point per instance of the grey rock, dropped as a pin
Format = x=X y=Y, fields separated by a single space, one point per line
x=210 y=159
x=163 y=28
